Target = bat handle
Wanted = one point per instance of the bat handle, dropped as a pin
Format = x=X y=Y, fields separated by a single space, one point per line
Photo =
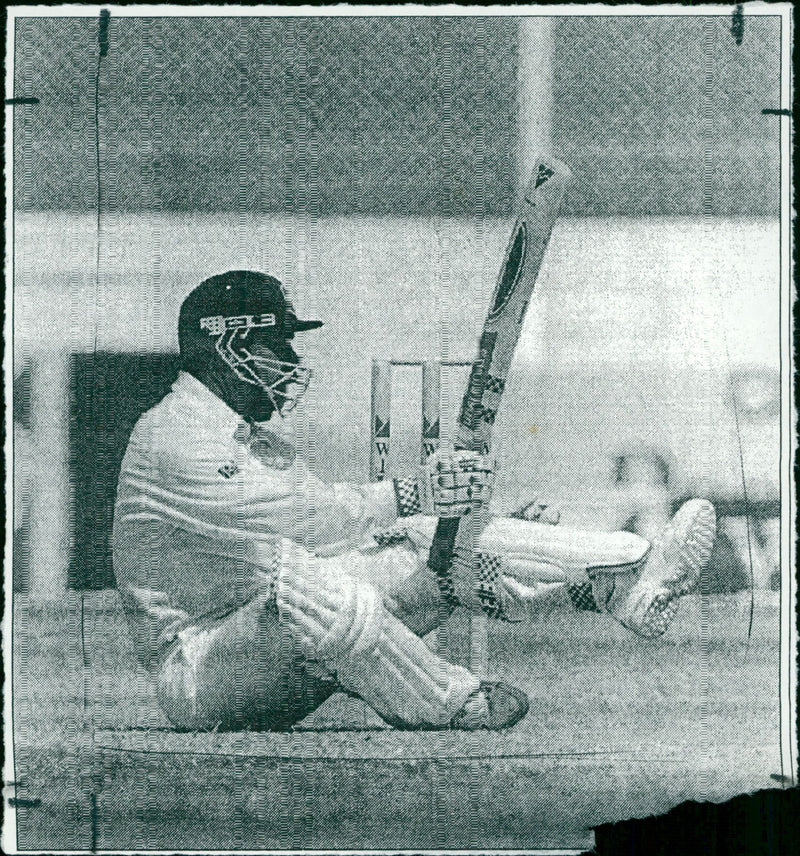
x=440 y=558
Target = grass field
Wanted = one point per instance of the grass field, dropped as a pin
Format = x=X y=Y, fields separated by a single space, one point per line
x=619 y=727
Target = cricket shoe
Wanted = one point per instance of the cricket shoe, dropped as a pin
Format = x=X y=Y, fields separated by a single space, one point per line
x=646 y=600
x=493 y=706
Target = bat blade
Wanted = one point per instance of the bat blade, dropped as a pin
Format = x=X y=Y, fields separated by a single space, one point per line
x=536 y=216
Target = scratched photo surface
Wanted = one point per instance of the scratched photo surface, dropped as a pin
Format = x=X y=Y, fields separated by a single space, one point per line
x=252 y=653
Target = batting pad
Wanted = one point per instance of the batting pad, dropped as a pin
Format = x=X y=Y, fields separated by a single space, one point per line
x=542 y=547
x=342 y=622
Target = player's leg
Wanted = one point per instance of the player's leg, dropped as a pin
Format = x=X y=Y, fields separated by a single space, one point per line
x=342 y=622
x=645 y=598
x=637 y=583
x=398 y=569
x=413 y=598
x=244 y=670
x=518 y=561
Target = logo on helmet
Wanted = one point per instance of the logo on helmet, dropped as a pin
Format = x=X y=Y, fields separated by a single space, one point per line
x=218 y=324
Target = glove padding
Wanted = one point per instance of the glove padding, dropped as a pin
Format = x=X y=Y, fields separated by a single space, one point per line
x=455 y=482
x=450 y=484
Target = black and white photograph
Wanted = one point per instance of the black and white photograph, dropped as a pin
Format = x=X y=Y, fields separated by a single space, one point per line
x=399 y=425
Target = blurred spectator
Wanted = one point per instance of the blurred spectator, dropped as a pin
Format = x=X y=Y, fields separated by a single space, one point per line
x=646 y=482
x=762 y=541
x=726 y=572
x=757 y=391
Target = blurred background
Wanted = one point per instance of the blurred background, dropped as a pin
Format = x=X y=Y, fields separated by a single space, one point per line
x=373 y=164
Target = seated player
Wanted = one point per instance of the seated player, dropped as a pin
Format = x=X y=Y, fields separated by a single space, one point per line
x=254 y=590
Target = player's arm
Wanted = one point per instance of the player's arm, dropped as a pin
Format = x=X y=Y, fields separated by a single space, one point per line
x=330 y=517
x=221 y=490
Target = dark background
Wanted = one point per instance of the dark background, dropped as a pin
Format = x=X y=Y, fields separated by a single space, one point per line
x=392 y=115
x=108 y=393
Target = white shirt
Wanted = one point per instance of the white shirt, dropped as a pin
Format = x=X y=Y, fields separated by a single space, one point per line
x=202 y=502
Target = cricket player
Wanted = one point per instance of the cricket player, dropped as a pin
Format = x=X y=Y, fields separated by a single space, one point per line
x=253 y=590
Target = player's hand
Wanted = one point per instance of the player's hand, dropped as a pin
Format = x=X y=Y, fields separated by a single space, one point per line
x=451 y=484
x=456 y=482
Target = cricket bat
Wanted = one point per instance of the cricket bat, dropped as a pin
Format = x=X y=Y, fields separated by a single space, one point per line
x=457 y=537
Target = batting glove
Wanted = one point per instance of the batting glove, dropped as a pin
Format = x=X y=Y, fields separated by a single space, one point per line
x=451 y=484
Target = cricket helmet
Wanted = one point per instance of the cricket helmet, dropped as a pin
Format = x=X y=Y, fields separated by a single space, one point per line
x=217 y=319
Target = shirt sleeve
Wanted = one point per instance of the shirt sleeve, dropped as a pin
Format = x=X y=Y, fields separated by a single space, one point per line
x=325 y=518
x=220 y=491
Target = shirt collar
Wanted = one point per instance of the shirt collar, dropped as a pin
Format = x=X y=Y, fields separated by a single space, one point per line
x=216 y=414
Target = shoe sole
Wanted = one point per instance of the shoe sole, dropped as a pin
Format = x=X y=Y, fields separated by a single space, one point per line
x=523 y=706
x=522 y=709
x=693 y=549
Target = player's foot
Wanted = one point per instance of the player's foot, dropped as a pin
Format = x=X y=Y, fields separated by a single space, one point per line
x=493 y=706
x=647 y=600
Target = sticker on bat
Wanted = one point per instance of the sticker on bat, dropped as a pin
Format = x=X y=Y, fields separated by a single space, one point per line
x=543 y=175
x=471 y=408
x=512 y=270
